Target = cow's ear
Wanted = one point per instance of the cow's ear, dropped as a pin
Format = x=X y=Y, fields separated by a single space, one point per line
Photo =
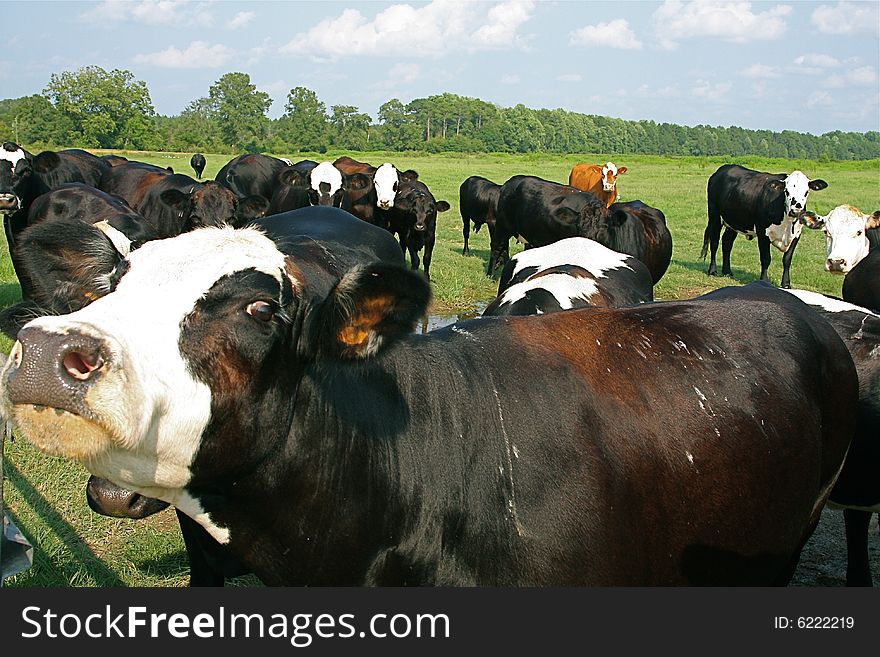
x=441 y=206
x=249 y=208
x=777 y=185
x=872 y=220
x=621 y=170
x=291 y=176
x=175 y=198
x=370 y=308
x=357 y=181
x=616 y=218
x=812 y=220
x=409 y=175
x=817 y=184
x=46 y=162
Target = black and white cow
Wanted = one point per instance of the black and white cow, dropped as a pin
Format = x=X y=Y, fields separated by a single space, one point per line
x=769 y=206
x=846 y=231
x=477 y=202
x=281 y=400
x=572 y=273
x=857 y=490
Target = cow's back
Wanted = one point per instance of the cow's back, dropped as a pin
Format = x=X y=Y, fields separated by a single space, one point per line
x=743 y=196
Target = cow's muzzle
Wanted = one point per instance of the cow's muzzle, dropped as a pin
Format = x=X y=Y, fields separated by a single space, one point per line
x=108 y=499
x=837 y=265
x=9 y=203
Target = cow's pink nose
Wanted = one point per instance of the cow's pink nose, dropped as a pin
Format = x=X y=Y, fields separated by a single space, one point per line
x=80 y=365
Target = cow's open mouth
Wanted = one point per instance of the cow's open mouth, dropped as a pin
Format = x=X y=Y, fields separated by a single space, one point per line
x=60 y=432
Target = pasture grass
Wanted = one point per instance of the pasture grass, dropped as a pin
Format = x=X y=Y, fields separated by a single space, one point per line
x=76 y=547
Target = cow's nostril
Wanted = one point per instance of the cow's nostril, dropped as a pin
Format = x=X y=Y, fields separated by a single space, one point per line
x=81 y=366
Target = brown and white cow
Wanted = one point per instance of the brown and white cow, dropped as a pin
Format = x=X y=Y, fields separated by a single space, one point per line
x=598 y=179
x=846 y=235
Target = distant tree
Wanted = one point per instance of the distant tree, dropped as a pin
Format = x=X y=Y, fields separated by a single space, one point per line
x=398 y=129
x=240 y=111
x=304 y=125
x=33 y=120
x=351 y=129
x=100 y=106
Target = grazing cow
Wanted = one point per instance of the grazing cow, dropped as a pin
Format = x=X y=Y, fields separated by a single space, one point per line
x=857 y=490
x=572 y=273
x=413 y=218
x=252 y=174
x=598 y=179
x=197 y=162
x=75 y=236
x=173 y=203
x=281 y=400
x=767 y=205
x=345 y=242
x=477 y=201
x=541 y=212
x=861 y=286
x=846 y=235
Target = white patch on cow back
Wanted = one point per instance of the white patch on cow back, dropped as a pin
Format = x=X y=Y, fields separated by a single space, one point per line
x=154 y=409
x=827 y=303
x=579 y=251
x=120 y=242
x=385 y=181
x=563 y=287
x=326 y=172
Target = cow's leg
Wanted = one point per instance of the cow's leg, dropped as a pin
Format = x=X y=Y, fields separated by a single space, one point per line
x=858 y=570
x=202 y=572
x=764 y=251
x=500 y=252
x=726 y=247
x=465 y=233
x=414 y=257
x=710 y=238
x=786 y=263
x=429 y=250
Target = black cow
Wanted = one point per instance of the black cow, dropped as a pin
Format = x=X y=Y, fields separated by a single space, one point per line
x=769 y=206
x=252 y=174
x=75 y=236
x=857 y=490
x=280 y=399
x=306 y=183
x=572 y=273
x=861 y=286
x=346 y=243
x=541 y=212
x=197 y=162
x=114 y=160
x=413 y=218
x=477 y=202
x=173 y=203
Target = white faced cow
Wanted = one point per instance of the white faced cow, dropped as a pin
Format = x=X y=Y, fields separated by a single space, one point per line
x=846 y=235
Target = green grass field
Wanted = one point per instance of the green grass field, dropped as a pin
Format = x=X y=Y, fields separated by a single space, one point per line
x=76 y=547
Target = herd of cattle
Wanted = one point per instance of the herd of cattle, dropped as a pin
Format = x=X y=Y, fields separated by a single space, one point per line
x=242 y=349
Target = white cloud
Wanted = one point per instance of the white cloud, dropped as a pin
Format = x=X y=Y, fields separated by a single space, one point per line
x=669 y=91
x=400 y=75
x=569 y=77
x=403 y=30
x=151 y=12
x=615 y=34
x=813 y=60
x=241 y=19
x=711 y=92
x=847 y=17
x=820 y=99
x=198 y=55
x=510 y=78
x=864 y=76
x=760 y=71
x=730 y=21
x=273 y=88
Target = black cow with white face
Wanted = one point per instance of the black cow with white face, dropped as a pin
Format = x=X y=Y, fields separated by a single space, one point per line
x=769 y=206
x=279 y=398
x=572 y=273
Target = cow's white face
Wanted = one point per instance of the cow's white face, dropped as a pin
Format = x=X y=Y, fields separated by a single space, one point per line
x=9 y=200
x=797 y=186
x=846 y=239
x=328 y=174
x=609 y=177
x=385 y=181
x=139 y=419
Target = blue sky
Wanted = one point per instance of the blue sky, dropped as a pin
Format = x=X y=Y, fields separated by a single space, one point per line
x=796 y=65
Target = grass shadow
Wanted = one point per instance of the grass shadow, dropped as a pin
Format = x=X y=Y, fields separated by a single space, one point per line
x=739 y=275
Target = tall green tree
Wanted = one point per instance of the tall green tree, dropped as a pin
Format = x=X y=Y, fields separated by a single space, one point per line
x=102 y=107
x=304 y=125
x=351 y=129
x=34 y=120
x=398 y=130
x=240 y=110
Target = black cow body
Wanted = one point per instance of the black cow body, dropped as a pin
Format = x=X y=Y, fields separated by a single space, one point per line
x=315 y=443
x=252 y=174
x=75 y=236
x=478 y=201
x=173 y=203
x=541 y=212
x=198 y=162
x=757 y=204
x=861 y=286
x=572 y=273
x=413 y=218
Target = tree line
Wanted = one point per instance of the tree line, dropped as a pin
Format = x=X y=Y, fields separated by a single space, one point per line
x=94 y=108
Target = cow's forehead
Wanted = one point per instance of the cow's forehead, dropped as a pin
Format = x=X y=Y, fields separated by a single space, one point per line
x=11 y=156
x=190 y=264
x=326 y=172
x=843 y=216
x=609 y=168
x=387 y=173
x=797 y=183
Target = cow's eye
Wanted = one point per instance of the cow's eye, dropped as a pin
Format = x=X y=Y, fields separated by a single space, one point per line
x=858 y=233
x=260 y=310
